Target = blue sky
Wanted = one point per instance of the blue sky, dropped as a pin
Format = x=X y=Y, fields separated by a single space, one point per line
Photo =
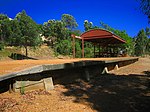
x=119 y=14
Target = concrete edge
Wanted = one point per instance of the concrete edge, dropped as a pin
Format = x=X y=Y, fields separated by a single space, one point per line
x=48 y=67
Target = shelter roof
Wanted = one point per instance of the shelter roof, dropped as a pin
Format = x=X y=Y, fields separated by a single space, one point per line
x=102 y=36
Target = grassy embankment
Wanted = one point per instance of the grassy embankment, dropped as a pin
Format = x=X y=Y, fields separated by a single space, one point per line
x=43 y=52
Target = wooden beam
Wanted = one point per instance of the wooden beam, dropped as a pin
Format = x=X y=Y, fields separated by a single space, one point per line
x=97 y=37
x=73 y=45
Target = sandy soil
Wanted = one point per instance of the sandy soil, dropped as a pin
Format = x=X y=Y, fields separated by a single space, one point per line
x=124 y=90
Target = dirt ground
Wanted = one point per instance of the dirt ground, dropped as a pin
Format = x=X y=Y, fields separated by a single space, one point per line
x=123 y=90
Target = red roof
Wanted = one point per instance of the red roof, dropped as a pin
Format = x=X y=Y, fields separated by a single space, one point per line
x=102 y=36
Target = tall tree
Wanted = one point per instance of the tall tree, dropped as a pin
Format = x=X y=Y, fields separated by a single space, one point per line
x=54 y=30
x=69 y=21
x=141 y=43
x=147 y=31
x=29 y=31
x=4 y=27
x=15 y=33
x=88 y=25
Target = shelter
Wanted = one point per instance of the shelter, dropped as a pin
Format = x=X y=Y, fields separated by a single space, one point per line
x=100 y=37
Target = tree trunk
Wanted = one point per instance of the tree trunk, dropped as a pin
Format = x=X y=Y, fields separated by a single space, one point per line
x=26 y=50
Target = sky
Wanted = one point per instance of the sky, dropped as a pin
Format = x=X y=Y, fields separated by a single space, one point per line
x=119 y=14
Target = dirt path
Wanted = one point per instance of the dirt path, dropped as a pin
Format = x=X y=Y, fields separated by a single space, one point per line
x=141 y=67
x=125 y=90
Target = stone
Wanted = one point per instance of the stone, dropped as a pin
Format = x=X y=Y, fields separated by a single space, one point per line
x=48 y=84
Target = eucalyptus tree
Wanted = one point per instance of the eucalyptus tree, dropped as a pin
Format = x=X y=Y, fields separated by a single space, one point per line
x=4 y=27
x=29 y=31
x=88 y=25
x=69 y=21
x=140 y=43
x=4 y=30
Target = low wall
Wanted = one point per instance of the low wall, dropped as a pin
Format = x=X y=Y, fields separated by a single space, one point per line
x=44 y=76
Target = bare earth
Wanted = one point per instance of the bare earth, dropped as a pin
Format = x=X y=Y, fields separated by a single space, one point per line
x=124 y=90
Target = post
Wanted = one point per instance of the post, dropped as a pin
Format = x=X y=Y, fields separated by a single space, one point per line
x=82 y=48
x=73 y=45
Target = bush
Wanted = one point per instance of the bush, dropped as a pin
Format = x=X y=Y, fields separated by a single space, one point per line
x=64 y=47
x=1 y=45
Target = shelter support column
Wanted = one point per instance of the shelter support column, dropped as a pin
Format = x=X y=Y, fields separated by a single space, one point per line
x=82 y=48
x=73 y=46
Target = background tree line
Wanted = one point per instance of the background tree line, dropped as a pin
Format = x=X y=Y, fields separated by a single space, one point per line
x=23 y=31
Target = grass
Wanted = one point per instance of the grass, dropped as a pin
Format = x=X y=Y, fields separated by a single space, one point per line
x=22 y=88
x=7 y=52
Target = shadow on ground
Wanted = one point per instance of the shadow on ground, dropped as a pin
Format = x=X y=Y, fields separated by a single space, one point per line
x=111 y=93
x=147 y=72
x=17 y=56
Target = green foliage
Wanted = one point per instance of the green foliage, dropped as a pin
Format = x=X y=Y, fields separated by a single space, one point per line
x=22 y=88
x=88 y=25
x=129 y=41
x=54 y=31
x=148 y=47
x=5 y=28
x=141 y=43
x=1 y=45
x=64 y=47
x=78 y=49
x=88 y=50
x=15 y=33
x=147 y=31
x=58 y=33
x=69 y=21
x=29 y=35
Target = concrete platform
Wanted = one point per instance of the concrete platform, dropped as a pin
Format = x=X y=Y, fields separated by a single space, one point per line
x=31 y=71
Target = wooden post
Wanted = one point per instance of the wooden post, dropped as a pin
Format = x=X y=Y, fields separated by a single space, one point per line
x=82 y=48
x=73 y=45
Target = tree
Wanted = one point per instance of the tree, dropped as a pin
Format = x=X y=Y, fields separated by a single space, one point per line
x=4 y=28
x=64 y=47
x=69 y=21
x=54 y=30
x=58 y=34
x=145 y=7
x=129 y=41
x=88 y=25
x=147 y=31
x=15 y=33
x=148 y=47
x=141 y=43
x=29 y=31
